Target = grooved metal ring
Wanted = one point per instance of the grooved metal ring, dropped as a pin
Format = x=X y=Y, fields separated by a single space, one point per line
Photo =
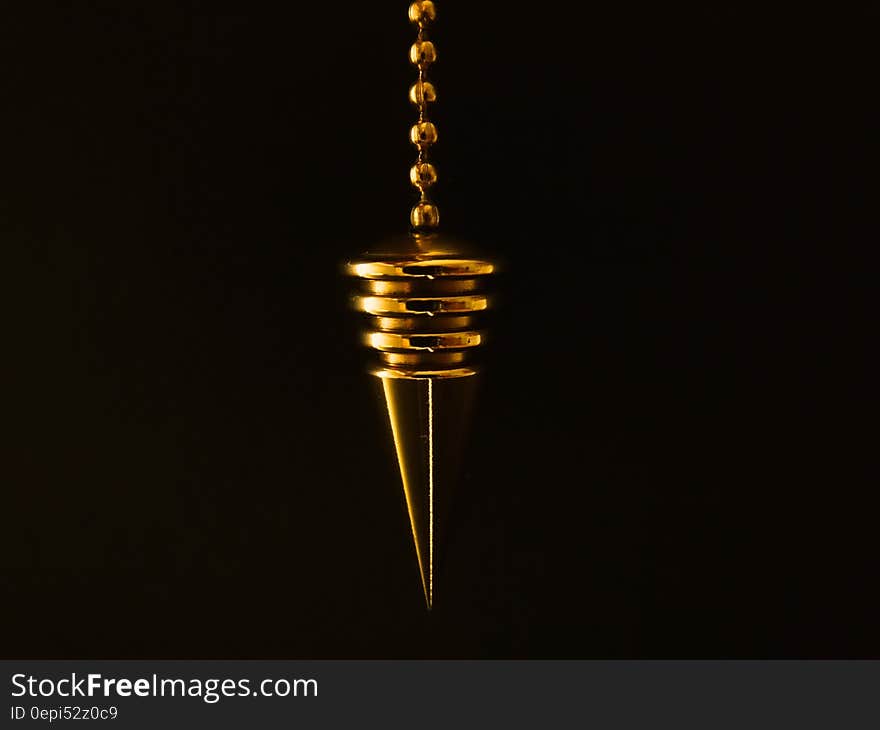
x=423 y=341
x=427 y=306
x=428 y=268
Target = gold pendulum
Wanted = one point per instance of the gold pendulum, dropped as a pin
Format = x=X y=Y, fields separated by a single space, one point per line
x=422 y=296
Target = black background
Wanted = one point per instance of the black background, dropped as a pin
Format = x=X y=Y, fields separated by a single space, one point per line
x=668 y=459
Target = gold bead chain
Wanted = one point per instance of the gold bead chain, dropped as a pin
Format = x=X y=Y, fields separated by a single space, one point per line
x=423 y=134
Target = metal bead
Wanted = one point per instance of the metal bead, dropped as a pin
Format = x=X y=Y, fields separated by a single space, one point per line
x=423 y=135
x=422 y=54
x=422 y=92
x=422 y=13
x=423 y=175
x=424 y=215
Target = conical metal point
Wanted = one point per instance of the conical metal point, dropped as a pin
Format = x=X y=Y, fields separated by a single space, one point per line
x=423 y=298
x=428 y=419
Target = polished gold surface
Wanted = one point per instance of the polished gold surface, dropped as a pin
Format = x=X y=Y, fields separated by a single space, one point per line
x=418 y=324
x=423 y=373
x=423 y=175
x=428 y=419
x=422 y=92
x=422 y=54
x=426 y=267
x=405 y=361
x=423 y=298
x=422 y=13
x=424 y=216
x=429 y=341
x=422 y=294
x=430 y=306
x=433 y=287
x=423 y=135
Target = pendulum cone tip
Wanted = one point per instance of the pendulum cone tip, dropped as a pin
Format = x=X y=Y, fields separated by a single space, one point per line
x=428 y=420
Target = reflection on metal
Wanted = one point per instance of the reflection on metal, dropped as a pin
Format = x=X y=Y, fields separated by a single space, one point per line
x=423 y=298
x=425 y=343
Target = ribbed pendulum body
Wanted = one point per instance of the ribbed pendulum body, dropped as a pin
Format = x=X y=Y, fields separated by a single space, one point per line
x=423 y=297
